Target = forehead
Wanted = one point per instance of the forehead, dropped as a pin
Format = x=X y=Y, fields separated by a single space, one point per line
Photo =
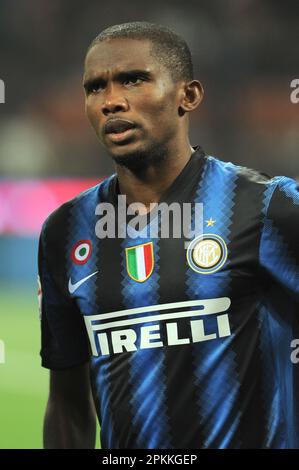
x=114 y=55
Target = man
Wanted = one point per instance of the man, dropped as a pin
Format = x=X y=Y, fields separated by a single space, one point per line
x=188 y=345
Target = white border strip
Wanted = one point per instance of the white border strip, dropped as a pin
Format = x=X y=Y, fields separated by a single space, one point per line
x=206 y=310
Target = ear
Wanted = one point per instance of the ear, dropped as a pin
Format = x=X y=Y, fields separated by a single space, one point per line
x=192 y=94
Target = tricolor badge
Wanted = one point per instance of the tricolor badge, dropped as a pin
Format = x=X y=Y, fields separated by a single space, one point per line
x=140 y=261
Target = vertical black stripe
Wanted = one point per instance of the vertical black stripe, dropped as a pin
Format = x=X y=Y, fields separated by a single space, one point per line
x=182 y=393
x=245 y=289
x=109 y=299
x=181 y=389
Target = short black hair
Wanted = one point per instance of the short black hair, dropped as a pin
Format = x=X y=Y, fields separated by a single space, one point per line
x=168 y=47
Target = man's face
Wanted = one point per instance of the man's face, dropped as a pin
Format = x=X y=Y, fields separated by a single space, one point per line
x=131 y=100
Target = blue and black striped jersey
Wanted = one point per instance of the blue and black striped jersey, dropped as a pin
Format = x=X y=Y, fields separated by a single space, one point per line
x=189 y=345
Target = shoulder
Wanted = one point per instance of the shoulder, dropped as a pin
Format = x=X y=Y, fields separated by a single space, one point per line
x=276 y=191
x=249 y=178
x=84 y=201
x=245 y=174
x=283 y=201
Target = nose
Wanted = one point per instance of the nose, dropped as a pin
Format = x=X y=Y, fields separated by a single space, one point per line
x=114 y=102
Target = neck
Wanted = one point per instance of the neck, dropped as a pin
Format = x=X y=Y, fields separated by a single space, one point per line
x=147 y=187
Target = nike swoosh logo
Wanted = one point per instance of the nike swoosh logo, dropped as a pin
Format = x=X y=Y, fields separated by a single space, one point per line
x=74 y=287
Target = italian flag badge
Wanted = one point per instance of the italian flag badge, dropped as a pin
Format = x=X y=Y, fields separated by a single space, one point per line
x=140 y=261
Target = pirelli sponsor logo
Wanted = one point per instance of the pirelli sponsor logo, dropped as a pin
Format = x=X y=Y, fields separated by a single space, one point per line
x=141 y=328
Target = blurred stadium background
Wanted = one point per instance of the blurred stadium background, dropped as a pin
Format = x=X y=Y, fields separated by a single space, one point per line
x=244 y=53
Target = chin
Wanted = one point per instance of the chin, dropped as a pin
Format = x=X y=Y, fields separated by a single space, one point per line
x=140 y=158
x=131 y=159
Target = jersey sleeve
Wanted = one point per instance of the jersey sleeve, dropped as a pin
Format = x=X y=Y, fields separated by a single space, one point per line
x=279 y=245
x=63 y=334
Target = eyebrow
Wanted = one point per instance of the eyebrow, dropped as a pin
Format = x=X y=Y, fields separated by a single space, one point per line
x=119 y=76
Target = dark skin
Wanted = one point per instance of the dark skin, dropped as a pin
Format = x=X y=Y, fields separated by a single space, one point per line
x=70 y=420
x=124 y=81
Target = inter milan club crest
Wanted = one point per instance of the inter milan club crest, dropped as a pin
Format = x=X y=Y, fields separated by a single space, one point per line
x=81 y=251
x=140 y=261
x=207 y=253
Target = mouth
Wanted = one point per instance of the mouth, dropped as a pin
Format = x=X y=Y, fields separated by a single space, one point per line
x=119 y=130
x=121 y=136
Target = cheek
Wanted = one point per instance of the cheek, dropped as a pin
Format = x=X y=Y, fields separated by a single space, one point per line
x=160 y=112
x=162 y=103
x=91 y=114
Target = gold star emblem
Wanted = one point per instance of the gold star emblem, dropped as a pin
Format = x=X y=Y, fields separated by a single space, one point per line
x=210 y=222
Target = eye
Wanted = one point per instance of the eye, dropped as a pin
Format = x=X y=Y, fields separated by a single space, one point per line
x=132 y=81
x=94 y=87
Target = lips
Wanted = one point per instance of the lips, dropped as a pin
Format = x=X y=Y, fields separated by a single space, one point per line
x=117 y=126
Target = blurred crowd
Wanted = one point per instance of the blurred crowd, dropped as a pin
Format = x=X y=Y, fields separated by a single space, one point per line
x=244 y=53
